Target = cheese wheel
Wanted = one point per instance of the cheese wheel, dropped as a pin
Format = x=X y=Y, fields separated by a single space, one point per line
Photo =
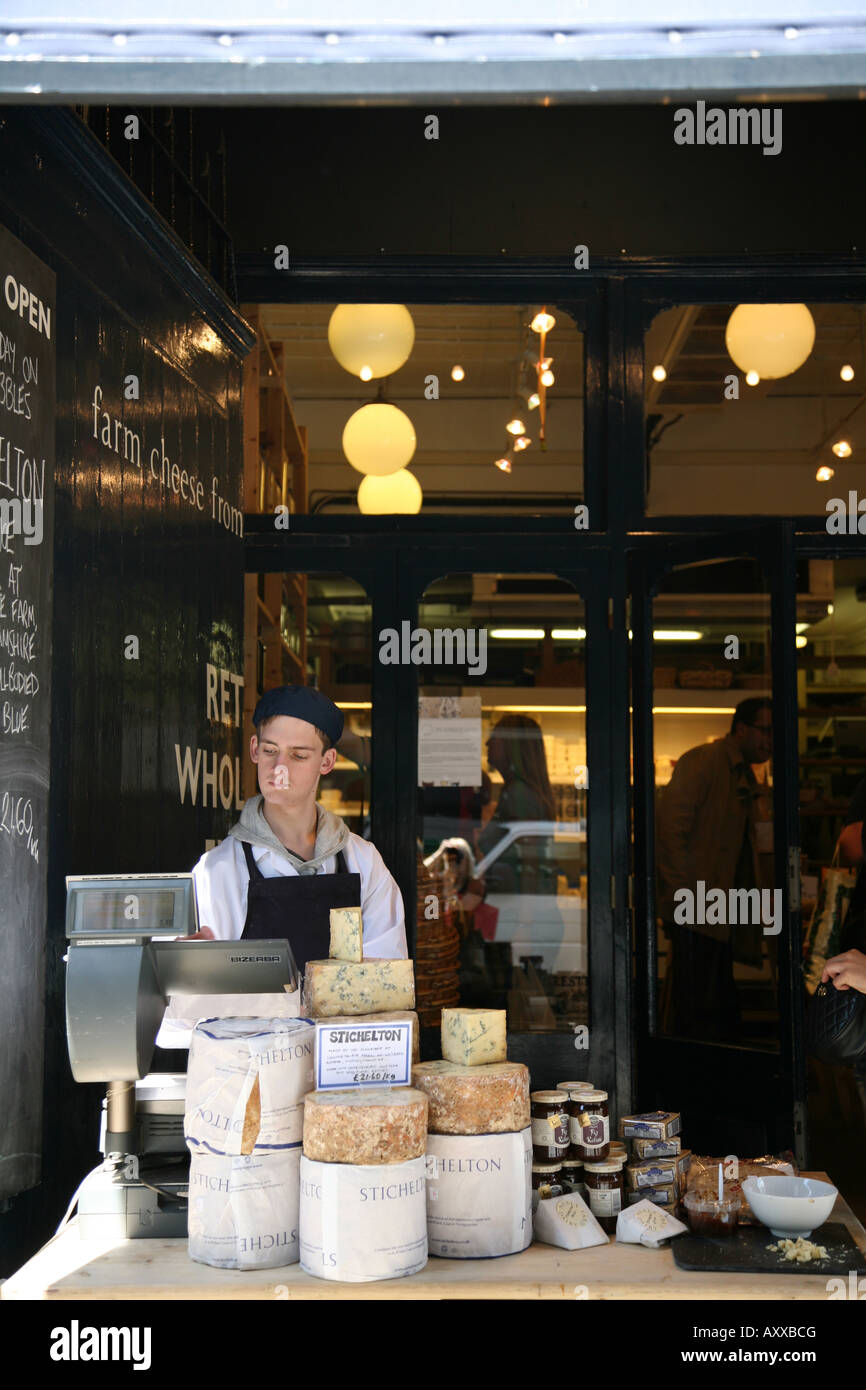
x=492 y=1099
x=380 y=1124
x=333 y=987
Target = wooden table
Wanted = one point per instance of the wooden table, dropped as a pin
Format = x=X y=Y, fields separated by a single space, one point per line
x=71 y=1268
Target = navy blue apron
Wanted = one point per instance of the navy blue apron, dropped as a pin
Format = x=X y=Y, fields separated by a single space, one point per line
x=296 y=908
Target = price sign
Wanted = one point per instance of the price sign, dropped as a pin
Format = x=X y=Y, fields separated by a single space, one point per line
x=363 y=1054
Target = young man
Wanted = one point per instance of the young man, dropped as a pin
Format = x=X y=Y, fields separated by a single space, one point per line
x=288 y=861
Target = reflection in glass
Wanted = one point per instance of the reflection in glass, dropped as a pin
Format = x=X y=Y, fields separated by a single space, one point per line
x=503 y=844
x=718 y=903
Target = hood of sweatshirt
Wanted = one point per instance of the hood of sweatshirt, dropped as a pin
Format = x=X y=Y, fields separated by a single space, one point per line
x=332 y=835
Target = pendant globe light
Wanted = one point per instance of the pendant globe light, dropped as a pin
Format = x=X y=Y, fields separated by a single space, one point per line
x=371 y=340
x=399 y=492
x=379 y=439
x=770 y=339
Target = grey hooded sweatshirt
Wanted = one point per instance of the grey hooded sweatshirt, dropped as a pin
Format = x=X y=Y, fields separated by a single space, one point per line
x=332 y=835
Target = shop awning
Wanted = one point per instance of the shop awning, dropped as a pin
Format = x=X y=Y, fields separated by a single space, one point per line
x=340 y=51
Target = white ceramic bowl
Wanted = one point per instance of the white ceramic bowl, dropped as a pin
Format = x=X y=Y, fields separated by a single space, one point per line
x=790 y=1206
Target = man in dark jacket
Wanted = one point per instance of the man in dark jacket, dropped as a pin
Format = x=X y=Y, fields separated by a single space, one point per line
x=707 y=831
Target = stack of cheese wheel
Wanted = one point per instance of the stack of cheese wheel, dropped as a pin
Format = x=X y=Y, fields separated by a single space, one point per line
x=437 y=953
x=363 y=1205
x=246 y=1081
x=479 y=1145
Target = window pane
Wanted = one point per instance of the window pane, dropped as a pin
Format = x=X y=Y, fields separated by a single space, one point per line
x=502 y=887
x=718 y=900
x=716 y=444
x=459 y=425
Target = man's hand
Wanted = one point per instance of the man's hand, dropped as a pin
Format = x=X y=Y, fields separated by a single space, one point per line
x=847 y=971
x=203 y=934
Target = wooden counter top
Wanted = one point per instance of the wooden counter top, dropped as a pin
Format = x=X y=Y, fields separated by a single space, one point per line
x=71 y=1268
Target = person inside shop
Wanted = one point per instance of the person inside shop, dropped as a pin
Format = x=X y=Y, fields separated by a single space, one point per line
x=712 y=825
x=847 y=969
x=288 y=860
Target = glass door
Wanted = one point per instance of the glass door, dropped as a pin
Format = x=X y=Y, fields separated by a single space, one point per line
x=511 y=841
x=716 y=841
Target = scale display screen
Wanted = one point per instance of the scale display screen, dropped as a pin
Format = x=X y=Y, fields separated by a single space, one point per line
x=124 y=905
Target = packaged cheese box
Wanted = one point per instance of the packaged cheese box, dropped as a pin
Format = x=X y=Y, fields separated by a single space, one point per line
x=653 y=1124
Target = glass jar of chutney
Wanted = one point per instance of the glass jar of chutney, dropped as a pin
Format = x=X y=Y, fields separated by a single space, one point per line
x=589 y=1126
x=572 y=1177
x=550 y=1122
x=604 y=1190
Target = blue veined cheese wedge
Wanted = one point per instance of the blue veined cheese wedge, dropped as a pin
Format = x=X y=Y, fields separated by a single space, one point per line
x=357 y=987
x=473 y=1037
x=346 y=934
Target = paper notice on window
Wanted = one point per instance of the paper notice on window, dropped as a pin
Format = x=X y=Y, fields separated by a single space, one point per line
x=449 y=741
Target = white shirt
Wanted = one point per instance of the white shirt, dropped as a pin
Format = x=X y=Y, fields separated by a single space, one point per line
x=221 y=885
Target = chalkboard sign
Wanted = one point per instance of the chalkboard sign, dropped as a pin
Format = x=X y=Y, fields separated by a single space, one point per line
x=28 y=335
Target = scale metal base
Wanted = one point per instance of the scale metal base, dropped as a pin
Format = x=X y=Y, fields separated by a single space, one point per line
x=115 y=1204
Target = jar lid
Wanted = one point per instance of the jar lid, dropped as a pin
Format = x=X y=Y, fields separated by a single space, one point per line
x=575 y=1086
x=546 y=1167
x=618 y=1146
x=547 y=1097
x=572 y=1163
x=604 y=1165
x=590 y=1096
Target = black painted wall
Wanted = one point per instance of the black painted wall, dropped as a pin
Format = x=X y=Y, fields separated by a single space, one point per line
x=537 y=181
x=131 y=560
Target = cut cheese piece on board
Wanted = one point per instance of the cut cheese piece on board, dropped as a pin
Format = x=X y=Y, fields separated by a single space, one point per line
x=363 y=987
x=376 y=1125
x=492 y=1099
x=473 y=1037
x=346 y=934
x=394 y=1016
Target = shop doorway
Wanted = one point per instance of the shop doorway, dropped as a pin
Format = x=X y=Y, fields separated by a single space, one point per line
x=481 y=694
x=716 y=856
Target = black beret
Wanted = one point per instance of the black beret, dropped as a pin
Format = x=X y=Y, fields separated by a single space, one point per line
x=301 y=702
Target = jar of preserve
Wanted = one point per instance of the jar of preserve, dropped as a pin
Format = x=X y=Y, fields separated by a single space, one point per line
x=618 y=1150
x=546 y=1182
x=604 y=1190
x=589 y=1125
x=550 y=1125
x=574 y=1086
x=572 y=1176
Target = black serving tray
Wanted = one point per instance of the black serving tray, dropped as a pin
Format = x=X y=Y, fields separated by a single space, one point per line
x=747 y=1253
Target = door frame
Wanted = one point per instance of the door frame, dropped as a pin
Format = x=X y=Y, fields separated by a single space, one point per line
x=395 y=569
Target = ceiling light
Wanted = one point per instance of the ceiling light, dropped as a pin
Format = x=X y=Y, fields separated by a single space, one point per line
x=825 y=473
x=378 y=439
x=395 y=494
x=568 y=634
x=544 y=363
x=752 y=378
x=366 y=373
x=831 y=608
x=547 y=378
x=663 y=634
x=504 y=464
x=842 y=449
x=771 y=339
x=519 y=634
x=533 y=401
x=523 y=442
x=378 y=336
x=801 y=627
x=543 y=322
x=457 y=373
x=516 y=426
x=847 y=372
x=801 y=642
x=659 y=373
